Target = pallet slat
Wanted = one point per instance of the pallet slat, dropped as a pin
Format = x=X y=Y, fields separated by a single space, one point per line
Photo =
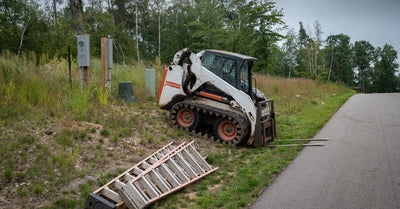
x=107 y=192
x=199 y=159
x=184 y=165
x=189 y=158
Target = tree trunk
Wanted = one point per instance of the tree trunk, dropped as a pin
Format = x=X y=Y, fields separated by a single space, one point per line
x=80 y=15
x=55 y=11
x=23 y=32
x=159 y=32
x=330 y=68
x=240 y=21
x=136 y=32
x=176 y=13
x=22 y=38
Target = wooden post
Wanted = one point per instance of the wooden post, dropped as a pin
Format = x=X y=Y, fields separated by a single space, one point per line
x=85 y=77
x=104 y=62
x=86 y=74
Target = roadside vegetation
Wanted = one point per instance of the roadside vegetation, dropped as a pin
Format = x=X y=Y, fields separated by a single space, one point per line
x=57 y=144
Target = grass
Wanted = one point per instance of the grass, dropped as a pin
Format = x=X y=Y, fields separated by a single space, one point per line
x=58 y=144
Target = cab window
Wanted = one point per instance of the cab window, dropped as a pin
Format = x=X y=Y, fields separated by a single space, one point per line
x=244 y=77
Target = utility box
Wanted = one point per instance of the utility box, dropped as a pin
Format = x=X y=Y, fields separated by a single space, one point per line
x=126 y=92
x=150 y=78
x=83 y=50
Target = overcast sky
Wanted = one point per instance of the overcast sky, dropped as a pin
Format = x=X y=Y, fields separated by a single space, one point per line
x=377 y=21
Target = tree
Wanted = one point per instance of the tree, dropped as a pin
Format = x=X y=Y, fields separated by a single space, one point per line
x=265 y=21
x=207 y=29
x=22 y=26
x=363 y=57
x=235 y=17
x=76 y=10
x=386 y=68
x=136 y=31
x=302 y=56
x=317 y=53
x=339 y=59
x=310 y=56
x=176 y=28
x=55 y=2
x=286 y=62
x=159 y=4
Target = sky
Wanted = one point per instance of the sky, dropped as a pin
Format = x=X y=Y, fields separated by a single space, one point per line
x=376 y=21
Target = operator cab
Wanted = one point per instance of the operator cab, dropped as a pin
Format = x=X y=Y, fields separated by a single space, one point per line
x=232 y=67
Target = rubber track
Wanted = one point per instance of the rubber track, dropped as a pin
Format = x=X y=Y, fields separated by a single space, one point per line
x=201 y=131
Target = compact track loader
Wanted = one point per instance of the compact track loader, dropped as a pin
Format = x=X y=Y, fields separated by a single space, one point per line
x=210 y=93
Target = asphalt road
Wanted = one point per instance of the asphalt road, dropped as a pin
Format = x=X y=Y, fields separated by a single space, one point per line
x=358 y=168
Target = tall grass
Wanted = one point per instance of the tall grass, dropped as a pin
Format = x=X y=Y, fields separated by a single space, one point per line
x=29 y=82
x=294 y=95
x=297 y=99
x=26 y=84
x=103 y=93
x=77 y=103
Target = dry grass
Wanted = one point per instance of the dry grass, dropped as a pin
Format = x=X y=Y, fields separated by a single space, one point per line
x=293 y=95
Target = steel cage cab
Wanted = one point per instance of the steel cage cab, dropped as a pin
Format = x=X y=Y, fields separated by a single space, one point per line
x=232 y=67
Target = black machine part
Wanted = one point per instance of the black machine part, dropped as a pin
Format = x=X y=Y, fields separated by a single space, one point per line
x=96 y=202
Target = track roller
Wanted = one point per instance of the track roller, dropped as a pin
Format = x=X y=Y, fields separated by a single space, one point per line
x=184 y=117
x=228 y=130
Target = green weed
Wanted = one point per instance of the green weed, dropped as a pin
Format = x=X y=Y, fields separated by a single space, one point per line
x=114 y=139
x=22 y=192
x=105 y=132
x=64 y=203
x=67 y=159
x=10 y=90
x=103 y=94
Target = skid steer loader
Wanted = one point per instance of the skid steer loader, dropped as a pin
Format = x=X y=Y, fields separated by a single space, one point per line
x=210 y=93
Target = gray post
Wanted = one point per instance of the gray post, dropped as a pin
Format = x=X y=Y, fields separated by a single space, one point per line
x=81 y=80
x=110 y=59
x=151 y=81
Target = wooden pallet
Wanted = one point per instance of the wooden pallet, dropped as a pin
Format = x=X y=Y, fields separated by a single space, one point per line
x=162 y=173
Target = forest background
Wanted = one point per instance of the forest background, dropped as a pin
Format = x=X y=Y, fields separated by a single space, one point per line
x=154 y=30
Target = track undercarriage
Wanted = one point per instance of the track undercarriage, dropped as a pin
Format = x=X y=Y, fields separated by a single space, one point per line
x=219 y=125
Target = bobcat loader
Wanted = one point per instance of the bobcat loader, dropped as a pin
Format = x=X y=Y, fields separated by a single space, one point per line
x=210 y=93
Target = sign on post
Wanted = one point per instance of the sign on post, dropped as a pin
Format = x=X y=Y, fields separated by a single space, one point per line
x=83 y=46
x=83 y=50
